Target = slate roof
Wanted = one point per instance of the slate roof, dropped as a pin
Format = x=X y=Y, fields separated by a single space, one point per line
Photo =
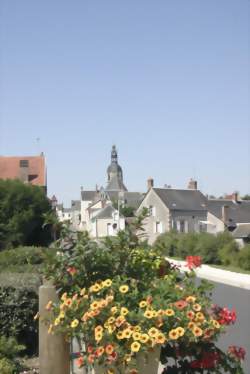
x=132 y=199
x=116 y=184
x=175 y=199
x=75 y=204
x=88 y=195
x=238 y=212
x=105 y=212
x=242 y=231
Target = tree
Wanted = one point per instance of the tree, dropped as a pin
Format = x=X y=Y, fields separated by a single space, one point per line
x=246 y=197
x=22 y=209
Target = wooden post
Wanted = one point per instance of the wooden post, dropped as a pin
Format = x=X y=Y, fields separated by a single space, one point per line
x=54 y=351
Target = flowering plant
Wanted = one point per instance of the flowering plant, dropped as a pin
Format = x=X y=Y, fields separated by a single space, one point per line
x=123 y=299
x=119 y=318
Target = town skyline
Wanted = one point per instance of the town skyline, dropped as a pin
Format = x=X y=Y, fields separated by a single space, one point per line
x=166 y=82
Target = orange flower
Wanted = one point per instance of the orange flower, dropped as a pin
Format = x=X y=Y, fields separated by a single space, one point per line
x=190 y=314
x=197 y=331
x=109 y=349
x=99 y=352
x=181 y=304
x=197 y=307
x=90 y=349
x=173 y=334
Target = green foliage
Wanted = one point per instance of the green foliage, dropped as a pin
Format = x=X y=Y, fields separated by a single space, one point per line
x=243 y=259
x=228 y=253
x=17 y=309
x=22 y=259
x=91 y=260
x=9 y=351
x=218 y=249
x=246 y=197
x=22 y=207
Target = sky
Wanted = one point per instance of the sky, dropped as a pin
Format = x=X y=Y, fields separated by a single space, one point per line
x=167 y=81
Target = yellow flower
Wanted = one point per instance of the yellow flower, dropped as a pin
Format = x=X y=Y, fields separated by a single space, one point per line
x=153 y=332
x=173 y=334
x=98 y=328
x=180 y=331
x=142 y=304
x=64 y=296
x=111 y=329
x=74 y=323
x=94 y=305
x=82 y=292
x=109 y=298
x=144 y=338
x=197 y=307
x=114 y=310
x=136 y=335
x=216 y=324
x=111 y=320
x=107 y=283
x=124 y=288
x=191 y=325
x=95 y=288
x=190 y=299
x=154 y=313
x=169 y=312
x=124 y=311
x=127 y=358
x=57 y=321
x=137 y=328
x=61 y=315
x=160 y=338
x=135 y=347
x=119 y=335
x=98 y=336
x=199 y=317
x=127 y=333
x=148 y=314
x=197 y=331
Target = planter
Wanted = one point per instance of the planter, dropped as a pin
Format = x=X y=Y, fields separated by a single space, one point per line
x=146 y=364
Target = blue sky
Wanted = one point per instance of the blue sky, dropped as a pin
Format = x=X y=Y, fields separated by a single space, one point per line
x=167 y=81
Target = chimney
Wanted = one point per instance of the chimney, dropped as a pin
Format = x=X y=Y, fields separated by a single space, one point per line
x=235 y=197
x=150 y=183
x=24 y=170
x=192 y=184
x=225 y=214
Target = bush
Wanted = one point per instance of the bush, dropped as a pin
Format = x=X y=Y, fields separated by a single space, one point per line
x=243 y=259
x=187 y=244
x=9 y=351
x=17 y=309
x=22 y=259
x=228 y=253
x=168 y=243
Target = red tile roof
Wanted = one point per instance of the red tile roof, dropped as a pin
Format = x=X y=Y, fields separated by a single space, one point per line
x=36 y=169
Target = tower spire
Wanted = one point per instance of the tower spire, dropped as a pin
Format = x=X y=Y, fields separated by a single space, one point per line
x=114 y=156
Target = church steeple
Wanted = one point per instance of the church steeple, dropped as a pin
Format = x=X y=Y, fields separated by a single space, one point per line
x=114 y=156
x=115 y=175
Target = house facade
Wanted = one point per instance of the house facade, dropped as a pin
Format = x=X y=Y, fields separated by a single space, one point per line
x=183 y=210
x=28 y=169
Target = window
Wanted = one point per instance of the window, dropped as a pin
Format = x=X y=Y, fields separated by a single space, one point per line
x=182 y=225
x=151 y=210
x=158 y=227
x=109 y=229
x=24 y=163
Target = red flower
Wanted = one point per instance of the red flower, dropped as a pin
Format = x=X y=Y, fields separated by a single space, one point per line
x=193 y=261
x=80 y=361
x=237 y=352
x=208 y=361
x=71 y=270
